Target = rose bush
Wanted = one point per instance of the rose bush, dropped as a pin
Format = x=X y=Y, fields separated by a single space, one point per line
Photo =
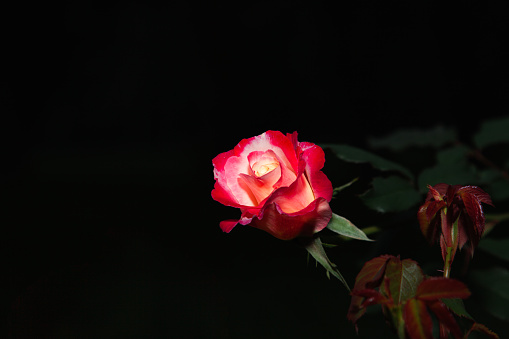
x=277 y=183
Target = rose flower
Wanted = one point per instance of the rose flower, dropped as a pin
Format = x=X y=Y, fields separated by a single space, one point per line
x=277 y=183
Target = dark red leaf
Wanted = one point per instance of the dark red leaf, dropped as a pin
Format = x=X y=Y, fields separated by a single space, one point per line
x=447 y=224
x=445 y=317
x=479 y=194
x=481 y=328
x=451 y=192
x=444 y=331
x=467 y=234
x=443 y=247
x=371 y=297
x=434 y=207
x=438 y=288
x=437 y=192
x=372 y=272
x=474 y=210
x=418 y=322
x=426 y=216
x=369 y=277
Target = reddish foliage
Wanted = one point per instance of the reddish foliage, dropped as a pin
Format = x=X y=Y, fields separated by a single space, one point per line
x=447 y=204
x=400 y=285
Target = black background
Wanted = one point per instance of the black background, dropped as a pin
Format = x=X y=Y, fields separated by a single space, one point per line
x=112 y=113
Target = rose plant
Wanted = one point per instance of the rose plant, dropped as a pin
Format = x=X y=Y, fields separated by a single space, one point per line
x=278 y=186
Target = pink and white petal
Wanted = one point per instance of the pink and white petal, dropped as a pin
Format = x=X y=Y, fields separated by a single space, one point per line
x=284 y=148
x=224 y=196
x=287 y=178
x=259 y=189
x=220 y=160
x=233 y=168
x=266 y=158
x=239 y=164
x=258 y=143
x=286 y=226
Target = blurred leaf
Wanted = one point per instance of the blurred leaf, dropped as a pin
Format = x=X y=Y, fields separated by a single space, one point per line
x=391 y=194
x=439 y=287
x=492 y=290
x=499 y=189
x=404 y=276
x=452 y=168
x=417 y=320
x=497 y=247
x=492 y=132
x=456 y=305
x=315 y=248
x=344 y=227
x=453 y=155
x=399 y=140
x=357 y=155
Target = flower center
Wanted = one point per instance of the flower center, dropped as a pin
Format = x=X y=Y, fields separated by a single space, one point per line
x=264 y=166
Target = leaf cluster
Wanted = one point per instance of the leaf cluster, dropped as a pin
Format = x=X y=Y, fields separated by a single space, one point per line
x=409 y=298
x=404 y=165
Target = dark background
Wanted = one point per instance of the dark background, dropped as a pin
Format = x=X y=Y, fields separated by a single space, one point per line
x=112 y=112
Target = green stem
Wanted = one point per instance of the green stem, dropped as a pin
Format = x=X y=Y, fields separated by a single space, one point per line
x=451 y=250
x=448 y=262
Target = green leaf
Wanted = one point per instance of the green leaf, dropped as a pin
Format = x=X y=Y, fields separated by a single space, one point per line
x=452 y=168
x=457 y=307
x=399 y=140
x=315 y=248
x=392 y=194
x=344 y=227
x=497 y=247
x=492 y=132
x=404 y=277
x=492 y=290
x=357 y=155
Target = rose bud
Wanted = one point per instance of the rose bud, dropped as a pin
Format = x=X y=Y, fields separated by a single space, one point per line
x=453 y=215
x=277 y=183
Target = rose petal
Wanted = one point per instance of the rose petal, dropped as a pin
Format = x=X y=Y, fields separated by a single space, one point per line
x=313 y=159
x=286 y=226
x=294 y=198
x=220 y=194
x=228 y=225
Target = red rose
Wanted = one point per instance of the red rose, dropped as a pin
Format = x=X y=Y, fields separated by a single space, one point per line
x=276 y=183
